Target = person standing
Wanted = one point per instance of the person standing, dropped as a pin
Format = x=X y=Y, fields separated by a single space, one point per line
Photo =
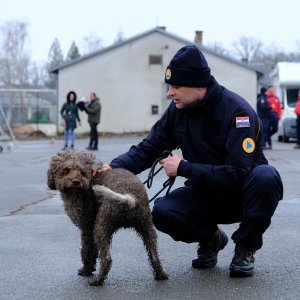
x=297 y=112
x=264 y=112
x=228 y=178
x=69 y=113
x=275 y=114
x=93 y=109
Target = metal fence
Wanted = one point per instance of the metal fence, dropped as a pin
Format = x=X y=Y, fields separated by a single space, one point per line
x=27 y=106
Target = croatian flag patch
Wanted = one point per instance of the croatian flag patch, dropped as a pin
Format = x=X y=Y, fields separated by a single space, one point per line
x=241 y=122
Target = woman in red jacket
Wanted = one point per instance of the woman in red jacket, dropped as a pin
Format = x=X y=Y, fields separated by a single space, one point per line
x=297 y=111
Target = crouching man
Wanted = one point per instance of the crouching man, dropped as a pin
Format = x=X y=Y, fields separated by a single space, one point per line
x=228 y=177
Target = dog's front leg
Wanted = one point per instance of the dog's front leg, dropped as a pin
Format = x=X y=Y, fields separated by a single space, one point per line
x=89 y=253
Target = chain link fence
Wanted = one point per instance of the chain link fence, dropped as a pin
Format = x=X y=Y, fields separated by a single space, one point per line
x=25 y=110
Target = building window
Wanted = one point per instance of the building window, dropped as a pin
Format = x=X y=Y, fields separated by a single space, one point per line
x=154 y=109
x=155 y=60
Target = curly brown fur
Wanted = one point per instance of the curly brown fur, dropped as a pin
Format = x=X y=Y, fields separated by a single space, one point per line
x=70 y=173
x=118 y=200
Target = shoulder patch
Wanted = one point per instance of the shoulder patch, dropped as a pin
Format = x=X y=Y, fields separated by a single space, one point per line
x=241 y=122
x=248 y=145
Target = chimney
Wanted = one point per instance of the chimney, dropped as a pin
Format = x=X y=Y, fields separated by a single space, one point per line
x=161 y=27
x=198 y=37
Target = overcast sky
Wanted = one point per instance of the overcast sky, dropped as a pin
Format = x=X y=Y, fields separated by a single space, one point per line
x=223 y=21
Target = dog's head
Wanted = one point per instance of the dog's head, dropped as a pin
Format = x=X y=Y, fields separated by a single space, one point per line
x=70 y=171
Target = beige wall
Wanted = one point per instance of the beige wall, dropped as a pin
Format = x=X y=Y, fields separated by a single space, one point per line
x=127 y=85
x=234 y=77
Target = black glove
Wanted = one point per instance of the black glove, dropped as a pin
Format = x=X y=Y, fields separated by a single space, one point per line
x=81 y=105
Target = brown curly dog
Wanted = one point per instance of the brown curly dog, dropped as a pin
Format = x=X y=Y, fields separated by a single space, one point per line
x=101 y=205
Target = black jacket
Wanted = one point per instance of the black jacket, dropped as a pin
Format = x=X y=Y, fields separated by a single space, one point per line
x=69 y=113
x=211 y=140
x=262 y=106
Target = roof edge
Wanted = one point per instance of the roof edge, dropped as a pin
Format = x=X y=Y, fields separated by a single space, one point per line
x=153 y=30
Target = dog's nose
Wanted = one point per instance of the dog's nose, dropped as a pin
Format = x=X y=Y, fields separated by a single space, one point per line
x=76 y=182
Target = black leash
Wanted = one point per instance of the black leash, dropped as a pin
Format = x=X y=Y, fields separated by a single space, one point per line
x=167 y=184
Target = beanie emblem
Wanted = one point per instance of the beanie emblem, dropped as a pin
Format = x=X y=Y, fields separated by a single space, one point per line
x=168 y=74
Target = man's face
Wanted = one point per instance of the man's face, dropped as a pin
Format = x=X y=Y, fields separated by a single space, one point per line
x=92 y=97
x=184 y=96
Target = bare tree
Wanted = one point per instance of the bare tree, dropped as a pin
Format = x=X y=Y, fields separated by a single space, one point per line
x=247 y=48
x=120 y=37
x=14 y=59
x=217 y=47
x=91 y=43
x=38 y=74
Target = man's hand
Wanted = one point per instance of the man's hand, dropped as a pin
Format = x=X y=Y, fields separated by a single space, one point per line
x=171 y=164
x=101 y=169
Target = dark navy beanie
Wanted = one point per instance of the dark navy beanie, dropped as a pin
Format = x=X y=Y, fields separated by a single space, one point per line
x=263 y=90
x=188 y=67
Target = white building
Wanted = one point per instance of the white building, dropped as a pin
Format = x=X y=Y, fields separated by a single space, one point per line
x=129 y=79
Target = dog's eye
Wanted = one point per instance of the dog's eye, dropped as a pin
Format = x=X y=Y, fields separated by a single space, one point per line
x=83 y=173
x=66 y=170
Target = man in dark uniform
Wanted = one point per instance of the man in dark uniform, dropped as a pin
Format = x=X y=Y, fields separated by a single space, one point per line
x=264 y=113
x=228 y=177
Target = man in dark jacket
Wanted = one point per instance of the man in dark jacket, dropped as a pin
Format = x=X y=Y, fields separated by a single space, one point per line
x=264 y=113
x=228 y=177
x=93 y=109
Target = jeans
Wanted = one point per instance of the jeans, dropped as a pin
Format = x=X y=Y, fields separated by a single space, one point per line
x=69 y=132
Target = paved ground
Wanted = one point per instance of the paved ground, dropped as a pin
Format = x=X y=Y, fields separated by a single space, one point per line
x=39 y=247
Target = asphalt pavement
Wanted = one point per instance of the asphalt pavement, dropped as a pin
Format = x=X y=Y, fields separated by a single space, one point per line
x=40 y=247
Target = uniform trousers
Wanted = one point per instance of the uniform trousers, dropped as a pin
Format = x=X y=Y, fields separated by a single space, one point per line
x=273 y=126
x=191 y=214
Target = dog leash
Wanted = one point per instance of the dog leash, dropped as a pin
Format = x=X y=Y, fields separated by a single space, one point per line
x=167 y=184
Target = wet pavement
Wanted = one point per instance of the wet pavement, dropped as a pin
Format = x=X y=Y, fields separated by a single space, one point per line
x=40 y=247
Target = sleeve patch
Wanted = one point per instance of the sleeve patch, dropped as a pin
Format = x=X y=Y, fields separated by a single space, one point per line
x=241 y=122
x=248 y=145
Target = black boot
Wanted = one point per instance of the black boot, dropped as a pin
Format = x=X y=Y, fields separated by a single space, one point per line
x=208 y=250
x=242 y=264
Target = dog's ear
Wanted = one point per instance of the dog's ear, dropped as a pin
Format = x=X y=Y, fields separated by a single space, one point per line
x=50 y=180
x=54 y=164
x=86 y=159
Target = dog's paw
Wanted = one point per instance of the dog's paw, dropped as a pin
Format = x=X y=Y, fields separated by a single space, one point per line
x=161 y=276
x=86 y=271
x=95 y=281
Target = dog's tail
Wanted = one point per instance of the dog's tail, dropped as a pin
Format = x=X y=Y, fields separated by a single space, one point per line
x=101 y=190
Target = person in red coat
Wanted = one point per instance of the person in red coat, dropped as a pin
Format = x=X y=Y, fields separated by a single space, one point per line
x=297 y=112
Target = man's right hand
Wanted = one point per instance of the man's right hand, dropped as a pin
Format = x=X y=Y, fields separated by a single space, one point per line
x=101 y=169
